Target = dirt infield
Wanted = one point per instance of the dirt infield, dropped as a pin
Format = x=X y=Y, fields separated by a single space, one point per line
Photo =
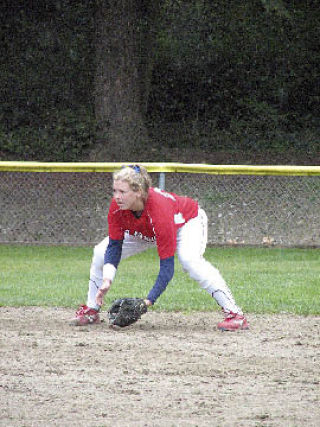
x=169 y=369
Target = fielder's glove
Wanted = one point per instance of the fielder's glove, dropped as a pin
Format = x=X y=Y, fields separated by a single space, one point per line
x=125 y=311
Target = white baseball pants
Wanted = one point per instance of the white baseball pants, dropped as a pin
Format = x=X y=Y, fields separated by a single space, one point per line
x=191 y=245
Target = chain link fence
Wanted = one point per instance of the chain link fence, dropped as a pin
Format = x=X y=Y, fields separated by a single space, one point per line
x=71 y=207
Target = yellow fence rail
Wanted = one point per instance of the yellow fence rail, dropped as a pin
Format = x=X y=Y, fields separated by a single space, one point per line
x=161 y=167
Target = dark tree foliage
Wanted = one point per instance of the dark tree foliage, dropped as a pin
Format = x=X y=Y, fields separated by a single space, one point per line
x=227 y=74
x=47 y=70
x=249 y=69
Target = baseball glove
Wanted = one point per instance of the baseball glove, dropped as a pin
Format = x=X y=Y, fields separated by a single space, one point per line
x=125 y=311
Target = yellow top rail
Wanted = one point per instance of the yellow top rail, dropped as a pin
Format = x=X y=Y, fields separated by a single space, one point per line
x=159 y=167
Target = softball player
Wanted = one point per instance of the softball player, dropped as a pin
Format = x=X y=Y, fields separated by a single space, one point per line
x=140 y=217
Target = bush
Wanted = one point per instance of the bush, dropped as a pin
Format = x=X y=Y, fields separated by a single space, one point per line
x=60 y=136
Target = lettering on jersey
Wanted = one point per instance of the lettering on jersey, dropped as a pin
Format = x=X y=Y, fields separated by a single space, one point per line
x=178 y=218
x=164 y=194
x=139 y=235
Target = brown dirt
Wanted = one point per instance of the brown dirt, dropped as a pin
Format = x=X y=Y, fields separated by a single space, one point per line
x=169 y=369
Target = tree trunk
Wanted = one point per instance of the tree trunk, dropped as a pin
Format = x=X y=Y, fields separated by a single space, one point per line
x=124 y=47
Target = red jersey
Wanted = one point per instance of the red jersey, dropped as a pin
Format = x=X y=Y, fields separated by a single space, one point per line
x=164 y=213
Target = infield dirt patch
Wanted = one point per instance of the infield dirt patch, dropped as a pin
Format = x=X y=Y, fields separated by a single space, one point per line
x=169 y=369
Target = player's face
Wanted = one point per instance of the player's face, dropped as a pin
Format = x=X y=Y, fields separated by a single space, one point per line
x=125 y=197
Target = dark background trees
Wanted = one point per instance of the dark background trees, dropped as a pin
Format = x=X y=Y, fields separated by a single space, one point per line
x=116 y=80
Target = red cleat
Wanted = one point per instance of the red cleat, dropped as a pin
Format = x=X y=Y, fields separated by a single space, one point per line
x=86 y=316
x=233 y=322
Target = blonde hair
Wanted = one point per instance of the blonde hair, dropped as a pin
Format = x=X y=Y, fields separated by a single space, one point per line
x=136 y=176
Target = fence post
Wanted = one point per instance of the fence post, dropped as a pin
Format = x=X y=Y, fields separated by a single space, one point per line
x=162 y=181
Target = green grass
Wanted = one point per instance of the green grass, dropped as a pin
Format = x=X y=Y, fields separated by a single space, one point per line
x=263 y=280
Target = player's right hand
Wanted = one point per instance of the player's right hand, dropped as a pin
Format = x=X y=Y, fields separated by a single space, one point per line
x=102 y=291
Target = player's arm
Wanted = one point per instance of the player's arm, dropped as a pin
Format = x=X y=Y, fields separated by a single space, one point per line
x=162 y=214
x=111 y=261
x=165 y=275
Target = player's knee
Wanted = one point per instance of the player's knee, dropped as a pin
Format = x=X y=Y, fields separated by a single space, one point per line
x=98 y=256
x=96 y=253
x=186 y=262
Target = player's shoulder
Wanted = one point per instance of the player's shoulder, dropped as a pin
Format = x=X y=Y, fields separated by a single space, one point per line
x=160 y=205
x=157 y=194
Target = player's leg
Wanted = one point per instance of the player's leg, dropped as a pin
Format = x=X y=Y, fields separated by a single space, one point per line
x=89 y=313
x=96 y=268
x=191 y=244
